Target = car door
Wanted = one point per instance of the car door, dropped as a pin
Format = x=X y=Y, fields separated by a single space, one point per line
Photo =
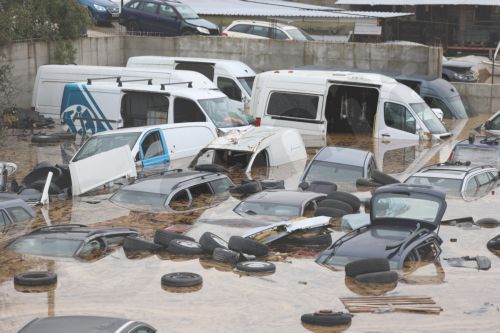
x=231 y=89
x=153 y=148
x=187 y=111
x=396 y=122
x=147 y=16
x=167 y=20
x=258 y=31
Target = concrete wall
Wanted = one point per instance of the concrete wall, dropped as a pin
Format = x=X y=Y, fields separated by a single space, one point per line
x=480 y=97
x=261 y=55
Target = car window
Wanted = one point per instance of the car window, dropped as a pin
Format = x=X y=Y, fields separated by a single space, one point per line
x=4 y=220
x=143 y=329
x=437 y=103
x=483 y=179
x=42 y=246
x=139 y=199
x=293 y=105
x=186 y=111
x=113 y=241
x=243 y=28
x=180 y=201
x=268 y=208
x=278 y=34
x=223 y=112
x=202 y=195
x=415 y=207
x=399 y=117
x=166 y=10
x=102 y=143
x=333 y=172
x=18 y=214
x=221 y=185
x=91 y=249
x=134 y=5
x=229 y=88
x=495 y=123
x=259 y=31
x=149 y=7
x=152 y=145
x=471 y=187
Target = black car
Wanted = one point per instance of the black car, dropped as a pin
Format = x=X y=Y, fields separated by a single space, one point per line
x=403 y=224
x=71 y=240
x=85 y=324
x=167 y=17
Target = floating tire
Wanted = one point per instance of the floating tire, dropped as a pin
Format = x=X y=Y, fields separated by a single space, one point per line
x=383 y=178
x=330 y=212
x=39 y=185
x=272 y=184
x=367 y=182
x=250 y=187
x=318 y=240
x=225 y=256
x=365 y=266
x=494 y=244
x=488 y=222
x=40 y=138
x=209 y=242
x=377 y=277
x=326 y=318
x=65 y=136
x=256 y=267
x=338 y=204
x=35 y=279
x=181 y=280
x=131 y=244
x=164 y=237
x=184 y=247
x=248 y=246
x=346 y=197
x=210 y=168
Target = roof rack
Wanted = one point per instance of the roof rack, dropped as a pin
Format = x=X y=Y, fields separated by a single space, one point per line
x=150 y=81
x=189 y=83
x=205 y=174
x=491 y=140
x=89 y=80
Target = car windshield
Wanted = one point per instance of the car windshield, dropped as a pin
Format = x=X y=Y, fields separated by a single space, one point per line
x=298 y=34
x=458 y=107
x=45 y=246
x=333 y=172
x=223 y=113
x=101 y=143
x=446 y=184
x=477 y=155
x=404 y=206
x=247 y=83
x=267 y=208
x=429 y=118
x=186 y=12
x=140 y=200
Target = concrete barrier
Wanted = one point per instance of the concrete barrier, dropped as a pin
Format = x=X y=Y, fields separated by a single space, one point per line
x=479 y=97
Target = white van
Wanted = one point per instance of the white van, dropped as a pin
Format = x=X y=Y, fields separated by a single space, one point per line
x=98 y=106
x=233 y=78
x=51 y=79
x=324 y=102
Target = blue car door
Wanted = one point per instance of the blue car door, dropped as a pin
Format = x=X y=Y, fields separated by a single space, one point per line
x=153 y=149
x=168 y=21
x=147 y=16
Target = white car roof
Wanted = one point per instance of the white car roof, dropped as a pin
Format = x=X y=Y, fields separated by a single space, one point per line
x=263 y=23
x=141 y=129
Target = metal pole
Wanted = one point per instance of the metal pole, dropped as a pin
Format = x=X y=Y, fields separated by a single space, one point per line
x=493 y=63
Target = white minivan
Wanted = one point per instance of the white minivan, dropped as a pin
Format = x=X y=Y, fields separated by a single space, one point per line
x=99 y=106
x=318 y=103
x=51 y=79
x=233 y=78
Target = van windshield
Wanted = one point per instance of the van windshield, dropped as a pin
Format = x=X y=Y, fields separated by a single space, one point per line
x=247 y=83
x=101 y=143
x=424 y=112
x=186 y=12
x=223 y=113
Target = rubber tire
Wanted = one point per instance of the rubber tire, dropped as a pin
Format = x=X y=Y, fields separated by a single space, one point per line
x=66 y=136
x=383 y=178
x=209 y=242
x=37 y=138
x=333 y=186
x=250 y=187
x=494 y=244
x=256 y=267
x=332 y=203
x=333 y=319
x=164 y=237
x=184 y=247
x=365 y=266
x=346 y=197
x=40 y=184
x=137 y=244
x=248 y=246
x=330 y=212
x=210 y=168
x=33 y=279
x=488 y=222
x=377 y=277
x=367 y=182
x=272 y=184
x=181 y=279
x=319 y=240
x=40 y=173
x=225 y=256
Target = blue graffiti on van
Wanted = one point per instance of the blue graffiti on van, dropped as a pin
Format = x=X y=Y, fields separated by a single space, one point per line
x=80 y=112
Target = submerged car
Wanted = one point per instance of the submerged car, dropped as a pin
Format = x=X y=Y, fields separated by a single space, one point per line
x=404 y=221
x=457 y=178
x=265 y=30
x=479 y=150
x=86 y=324
x=71 y=241
x=492 y=125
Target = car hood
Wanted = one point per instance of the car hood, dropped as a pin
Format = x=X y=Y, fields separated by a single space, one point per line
x=199 y=22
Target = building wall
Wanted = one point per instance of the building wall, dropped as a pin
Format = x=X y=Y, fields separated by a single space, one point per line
x=479 y=97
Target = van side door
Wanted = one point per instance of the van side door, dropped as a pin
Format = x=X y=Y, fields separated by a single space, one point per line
x=187 y=111
x=396 y=121
x=153 y=148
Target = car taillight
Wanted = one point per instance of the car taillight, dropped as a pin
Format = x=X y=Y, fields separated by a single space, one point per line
x=257 y=122
x=224 y=34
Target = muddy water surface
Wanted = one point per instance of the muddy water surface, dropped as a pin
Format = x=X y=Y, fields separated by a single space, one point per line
x=227 y=302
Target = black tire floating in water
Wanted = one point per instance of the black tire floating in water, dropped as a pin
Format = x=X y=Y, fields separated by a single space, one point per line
x=164 y=237
x=365 y=266
x=181 y=279
x=137 y=244
x=40 y=138
x=338 y=204
x=377 y=277
x=330 y=212
x=256 y=267
x=209 y=242
x=249 y=187
x=184 y=247
x=383 y=178
x=33 y=279
x=326 y=318
x=367 y=182
x=210 y=168
x=488 y=222
x=248 y=246
x=225 y=256
x=346 y=197
x=494 y=244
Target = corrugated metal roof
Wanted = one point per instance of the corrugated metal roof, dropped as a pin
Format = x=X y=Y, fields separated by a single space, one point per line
x=419 y=2
x=279 y=8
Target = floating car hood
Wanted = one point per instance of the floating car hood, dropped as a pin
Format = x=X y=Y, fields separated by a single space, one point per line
x=381 y=197
x=292 y=226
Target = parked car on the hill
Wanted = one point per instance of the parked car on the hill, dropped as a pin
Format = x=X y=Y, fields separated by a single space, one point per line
x=102 y=11
x=265 y=30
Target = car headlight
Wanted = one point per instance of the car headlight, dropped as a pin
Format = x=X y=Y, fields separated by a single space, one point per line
x=100 y=8
x=203 y=30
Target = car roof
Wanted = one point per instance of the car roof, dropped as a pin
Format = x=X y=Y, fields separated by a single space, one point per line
x=451 y=171
x=290 y=198
x=72 y=232
x=348 y=156
x=166 y=183
x=17 y=203
x=264 y=23
x=75 y=324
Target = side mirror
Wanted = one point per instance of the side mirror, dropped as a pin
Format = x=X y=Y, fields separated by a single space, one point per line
x=487 y=125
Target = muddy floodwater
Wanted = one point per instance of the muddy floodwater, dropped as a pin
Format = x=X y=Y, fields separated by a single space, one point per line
x=227 y=302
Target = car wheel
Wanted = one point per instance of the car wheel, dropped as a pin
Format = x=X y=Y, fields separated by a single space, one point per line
x=332 y=203
x=40 y=138
x=346 y=197
x=131 y=244
x=330 y=212
x=164 y=237
x=383 y=178
x=33 y=279
x=184 y=247
x=225 y=256
x=365 y=266
x=377 y=277
x=326 y=318
x=256 y=267
x=209 y=242
x=181 y=279
x=494 y=244
x=488 y=222
x=248 y=246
